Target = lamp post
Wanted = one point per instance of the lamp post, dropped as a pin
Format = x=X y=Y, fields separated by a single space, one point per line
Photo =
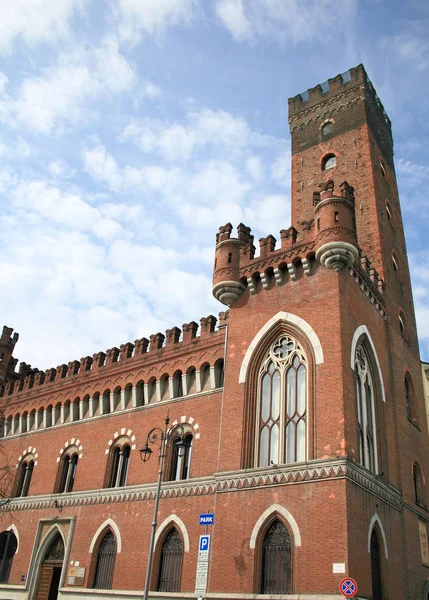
x=158 y=437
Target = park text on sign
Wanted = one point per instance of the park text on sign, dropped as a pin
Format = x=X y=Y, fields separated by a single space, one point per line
x=207 y=519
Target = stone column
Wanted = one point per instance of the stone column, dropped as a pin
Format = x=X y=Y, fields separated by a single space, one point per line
x=122 y=399
x=171 y=387
x=184 y=384
x=134 y=397
x=91 y=407
x=212 y=378
x=198 y=380
x=145 y=394
x=158 y=391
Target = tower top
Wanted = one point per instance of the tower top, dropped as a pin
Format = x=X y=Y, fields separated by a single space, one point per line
x=350 y=100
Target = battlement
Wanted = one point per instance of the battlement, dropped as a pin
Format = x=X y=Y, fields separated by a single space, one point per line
x=331 y=88
x=174 y=338
x=7 y=338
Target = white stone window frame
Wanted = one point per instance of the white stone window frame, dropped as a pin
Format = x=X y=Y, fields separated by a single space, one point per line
x=366 y=377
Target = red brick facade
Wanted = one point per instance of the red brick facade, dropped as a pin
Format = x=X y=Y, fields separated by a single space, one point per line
x=330 y=295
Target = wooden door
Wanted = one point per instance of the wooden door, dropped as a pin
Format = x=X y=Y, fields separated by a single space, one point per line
x=45 y=580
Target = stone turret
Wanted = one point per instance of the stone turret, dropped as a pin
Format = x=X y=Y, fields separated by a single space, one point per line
x=335 y=234
x=227 y=287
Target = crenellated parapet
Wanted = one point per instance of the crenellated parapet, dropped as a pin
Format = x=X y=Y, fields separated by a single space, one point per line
x=127 y=354
x=7 y=362
x=329 y=238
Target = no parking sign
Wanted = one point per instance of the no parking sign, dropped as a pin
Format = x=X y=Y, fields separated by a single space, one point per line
x=348 y=587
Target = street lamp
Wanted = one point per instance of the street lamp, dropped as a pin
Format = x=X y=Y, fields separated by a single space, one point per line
x=160 y=438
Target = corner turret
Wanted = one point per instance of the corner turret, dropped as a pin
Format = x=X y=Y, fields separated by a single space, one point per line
x=335 y=234
x=227 y=287
x=7 y=345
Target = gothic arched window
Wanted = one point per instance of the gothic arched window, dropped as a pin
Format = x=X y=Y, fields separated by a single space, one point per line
x=105 y=564
x=170 y=566
x=8 y=546
x=117 y=469
x=25 y=473
x=365 y=395
x=68 y=472
x=375 y=566
x=282 y=404
x=181 y=457
x=409 y=399
x=276 y=571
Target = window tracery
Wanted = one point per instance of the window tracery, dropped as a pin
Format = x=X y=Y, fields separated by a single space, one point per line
x=365 y=411
x=282 y=404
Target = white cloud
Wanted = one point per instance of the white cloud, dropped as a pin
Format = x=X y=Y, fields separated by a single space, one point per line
x=254 y=167
x=285 y=20
x=269 y=213
x=3 y=82
x=35 y=21
x=409 y=168
x=177 y=141
x=62 y=94
x=151 y=90
x=137 y=18
x=281 y=170
x=20 y=151
x=231 y=13
x=103 y=167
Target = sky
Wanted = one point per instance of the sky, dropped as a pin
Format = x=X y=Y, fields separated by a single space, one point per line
x=132 y=129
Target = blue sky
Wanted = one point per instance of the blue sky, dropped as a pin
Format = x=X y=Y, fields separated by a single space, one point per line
x=132 y=129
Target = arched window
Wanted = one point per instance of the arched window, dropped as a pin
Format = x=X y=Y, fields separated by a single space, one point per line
x=418 y=485
x=25 y=473
x=282 y=404
x=118 y=464
x=68 y=468
x=104 y=567
x=276 y=564
x=8 y=546
x=181 y=457
x=365 y=396
x=327 y=128
x=402 y=326
x=329 y=162
x=375 y=567
x=409 y=399
x=170 y=564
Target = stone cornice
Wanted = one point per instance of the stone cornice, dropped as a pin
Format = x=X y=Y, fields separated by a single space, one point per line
x=234 y=481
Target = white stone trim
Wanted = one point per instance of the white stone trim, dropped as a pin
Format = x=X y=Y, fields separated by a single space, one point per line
x=15 y=531
x=281 y=510
x=376 y=519
x=107 y=523
x=360 y=331
x=289 y=318
x=180 y=524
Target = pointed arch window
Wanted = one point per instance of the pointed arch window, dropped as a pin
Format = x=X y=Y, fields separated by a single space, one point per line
x=8 y=546
x=276 y=571
x=105 y=562
x=365 y=396
x=25 y=474
x=409 y=399
x=170 y=567
x=282 y=404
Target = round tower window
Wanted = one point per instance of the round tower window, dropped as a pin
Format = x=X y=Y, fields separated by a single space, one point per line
x=329 y=162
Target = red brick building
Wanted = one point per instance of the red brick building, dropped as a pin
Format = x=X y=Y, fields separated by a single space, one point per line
x=301 y=409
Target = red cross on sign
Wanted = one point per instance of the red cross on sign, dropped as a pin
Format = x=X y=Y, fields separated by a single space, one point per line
x=348 y=587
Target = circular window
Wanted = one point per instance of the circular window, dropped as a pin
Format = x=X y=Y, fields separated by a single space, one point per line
x=329 y=162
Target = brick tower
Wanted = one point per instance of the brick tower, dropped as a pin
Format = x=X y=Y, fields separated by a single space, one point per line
x=339 y=287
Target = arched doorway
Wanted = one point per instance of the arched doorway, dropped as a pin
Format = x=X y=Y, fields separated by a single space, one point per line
x=50 y=570
x=375 y=567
